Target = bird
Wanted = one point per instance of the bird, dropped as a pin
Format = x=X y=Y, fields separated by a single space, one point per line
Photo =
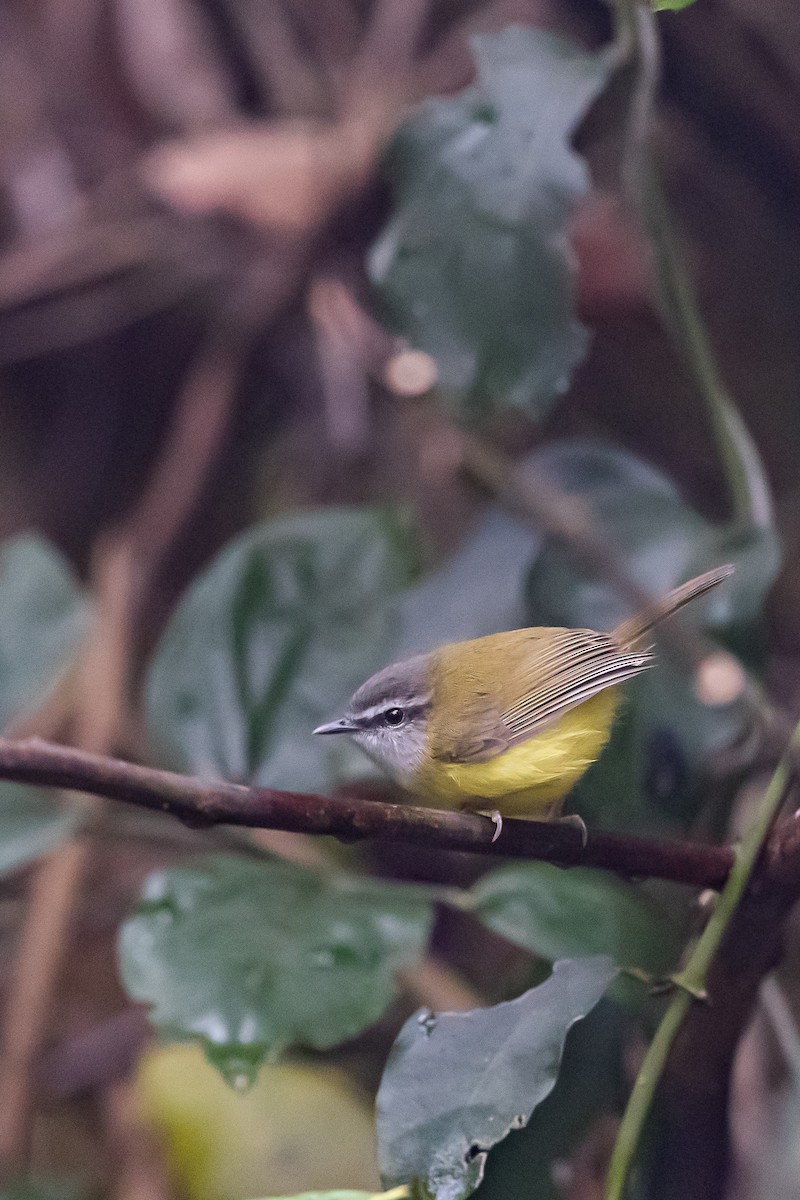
x=508 y=723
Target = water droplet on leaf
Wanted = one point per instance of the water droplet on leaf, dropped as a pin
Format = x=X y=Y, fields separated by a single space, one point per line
x=238 y=1065
x=427 y=1021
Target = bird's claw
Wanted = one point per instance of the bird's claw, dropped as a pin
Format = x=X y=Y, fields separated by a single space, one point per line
x=497 y=820
x=576 y=822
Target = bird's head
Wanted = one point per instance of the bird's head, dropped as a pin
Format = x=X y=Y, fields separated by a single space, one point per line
x=388 y=717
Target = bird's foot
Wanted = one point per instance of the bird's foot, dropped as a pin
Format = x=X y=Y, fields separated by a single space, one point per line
x=576 y=822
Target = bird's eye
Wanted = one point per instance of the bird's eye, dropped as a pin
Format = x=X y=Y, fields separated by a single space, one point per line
x=394 y=716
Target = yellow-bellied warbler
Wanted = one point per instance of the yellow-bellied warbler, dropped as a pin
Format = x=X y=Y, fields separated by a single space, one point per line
x=507 y=722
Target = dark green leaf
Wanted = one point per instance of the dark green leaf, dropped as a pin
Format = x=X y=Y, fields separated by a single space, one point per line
x=556 y=913
x=591 y=1084
x=479 y=591
x=663 y=540
x=43 y=616
x=31 y=824
x=272 y=639
x=664 y=736
x=457 y=1083
x=474 y=265
x=255 y=957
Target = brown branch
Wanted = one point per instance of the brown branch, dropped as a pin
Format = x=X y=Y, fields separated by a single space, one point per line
x=205 y=804
x=37 y=961
x=693 y=1146
x=124 y=566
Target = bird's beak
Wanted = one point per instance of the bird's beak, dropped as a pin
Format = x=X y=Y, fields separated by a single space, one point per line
x=341 y=726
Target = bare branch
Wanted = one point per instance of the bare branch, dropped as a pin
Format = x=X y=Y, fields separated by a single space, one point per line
x=206 y=804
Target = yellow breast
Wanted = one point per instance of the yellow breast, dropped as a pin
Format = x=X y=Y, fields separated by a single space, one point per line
x=532 y=778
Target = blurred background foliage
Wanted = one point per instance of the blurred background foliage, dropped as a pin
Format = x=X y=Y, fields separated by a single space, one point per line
x=227 y=495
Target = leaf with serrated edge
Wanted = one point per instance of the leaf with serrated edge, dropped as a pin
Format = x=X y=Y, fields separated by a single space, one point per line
x=457 y=1083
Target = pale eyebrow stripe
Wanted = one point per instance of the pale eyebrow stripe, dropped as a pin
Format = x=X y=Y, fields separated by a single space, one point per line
x=414 y=707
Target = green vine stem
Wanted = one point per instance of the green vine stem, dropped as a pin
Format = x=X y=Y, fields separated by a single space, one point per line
x=744 y=471
x=692 y=980
x=637 y=45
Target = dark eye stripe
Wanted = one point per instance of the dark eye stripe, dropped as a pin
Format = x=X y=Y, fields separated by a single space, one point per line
x=411 y=712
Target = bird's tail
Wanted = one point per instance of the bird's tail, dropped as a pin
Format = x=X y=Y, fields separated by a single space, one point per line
x=633 y=630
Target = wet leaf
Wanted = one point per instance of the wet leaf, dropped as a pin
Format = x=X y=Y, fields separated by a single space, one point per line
x=252 y=958
x=271 y=640
x=474 y=265
x=555 y=914
x=31 y=824
x=457 y=1083
x=44 y=614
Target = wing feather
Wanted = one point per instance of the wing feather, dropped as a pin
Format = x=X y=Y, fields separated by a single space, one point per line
x=576 y=666
x=542 y=675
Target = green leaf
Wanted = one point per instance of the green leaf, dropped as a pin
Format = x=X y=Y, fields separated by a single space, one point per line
x=523 y=1166
x=670 y=5
x=480 y=590
x=254 y=957
x=270 y=641
x=649 y=776
x=44 y=614
x=663 y=540
x=457 y=1083
x=31 y=824
x=556 y=913
x=474 y=265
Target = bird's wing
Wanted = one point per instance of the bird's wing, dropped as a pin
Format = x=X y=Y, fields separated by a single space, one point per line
x=541 y=676
x=573 y=666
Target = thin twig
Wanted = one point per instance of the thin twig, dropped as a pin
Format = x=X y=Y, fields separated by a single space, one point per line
x=201 y=803
x=637 y=47
x=125 y=564
x=57 y=882
x=41 y=945
x=637 y=41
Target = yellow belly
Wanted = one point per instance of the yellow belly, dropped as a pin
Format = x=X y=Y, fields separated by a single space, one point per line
x=531 y=779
